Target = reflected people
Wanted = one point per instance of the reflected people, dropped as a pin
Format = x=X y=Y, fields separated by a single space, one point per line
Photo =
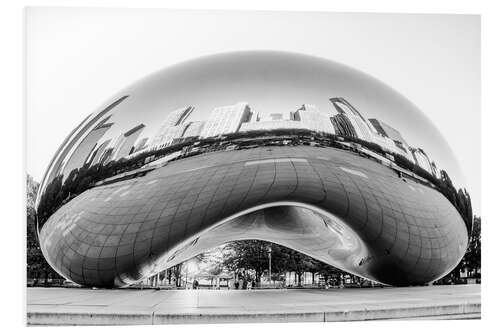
x=282 y=147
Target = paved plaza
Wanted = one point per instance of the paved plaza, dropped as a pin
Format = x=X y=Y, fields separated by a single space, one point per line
x=73 y=306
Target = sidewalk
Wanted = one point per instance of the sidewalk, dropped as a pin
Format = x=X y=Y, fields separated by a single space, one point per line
x=60 y=306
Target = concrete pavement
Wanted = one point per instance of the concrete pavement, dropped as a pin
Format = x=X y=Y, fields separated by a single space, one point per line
x=65 y=306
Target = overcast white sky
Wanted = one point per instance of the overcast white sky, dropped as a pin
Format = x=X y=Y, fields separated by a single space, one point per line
x=78 y=58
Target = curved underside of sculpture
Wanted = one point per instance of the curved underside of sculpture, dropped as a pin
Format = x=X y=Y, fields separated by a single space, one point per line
x=334 y=205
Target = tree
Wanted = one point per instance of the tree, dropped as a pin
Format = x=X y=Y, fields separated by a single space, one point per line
x=252 y=255
x=327 y=271
x=248 y=255
x=471 y=262
x=472 y=258
x=36 y=265
x=298 y=263
x=177 y=273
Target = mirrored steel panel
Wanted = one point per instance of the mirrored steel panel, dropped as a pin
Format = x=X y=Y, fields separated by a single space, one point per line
x=283 y=147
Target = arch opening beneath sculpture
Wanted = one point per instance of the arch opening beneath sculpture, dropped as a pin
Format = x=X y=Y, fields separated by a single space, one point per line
x=301 y=227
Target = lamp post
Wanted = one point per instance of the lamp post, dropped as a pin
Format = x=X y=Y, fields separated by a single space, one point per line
x=269 y=250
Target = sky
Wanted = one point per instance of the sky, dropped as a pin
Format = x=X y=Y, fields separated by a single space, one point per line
x=78 y=58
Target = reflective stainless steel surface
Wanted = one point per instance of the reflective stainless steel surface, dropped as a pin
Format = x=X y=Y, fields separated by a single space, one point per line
x=288 y=148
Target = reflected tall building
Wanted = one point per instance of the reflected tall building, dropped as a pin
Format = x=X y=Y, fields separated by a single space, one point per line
x=352 y=120
x=313 y=120
x=176 y=117
x=394 y=141
x=57 y=163
x=126 y=141
x=306 y=117
x=272 y=125
x=98 y=153
x=193 y=129
x=171 y=128
x=271 y=117
x=422 y=159
x=226 y=119
x=107 y=154
x=141 y=144
x=343 y=126
x=387 y=131
x=272 y=121
x=435 y=170
x=82 y=153
x=168 y=136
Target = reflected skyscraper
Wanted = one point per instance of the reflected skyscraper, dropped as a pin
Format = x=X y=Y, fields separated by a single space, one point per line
x=350 y=122
x=387 y=131
x=226 y=119
x=272 y=121
x=422 y=159
x=81 y=154
x=168 y=135
x=140 y=145
x=107 y=155
x=356 y=120
x=193 y=129
x=73 y=138
x=126 y=142
x=171 y=128
x=271 y=117
x=343 y=126
x=435 y=170
x=176 y=117
x=99 y=152
x=394 y=141
x=313 y=119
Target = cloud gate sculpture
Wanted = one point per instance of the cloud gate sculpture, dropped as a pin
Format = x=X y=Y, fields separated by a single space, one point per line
x=282 y=147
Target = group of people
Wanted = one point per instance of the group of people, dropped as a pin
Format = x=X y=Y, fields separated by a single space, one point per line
x=243 y=284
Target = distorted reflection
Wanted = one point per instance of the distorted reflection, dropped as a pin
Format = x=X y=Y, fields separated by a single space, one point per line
x=154 y=173
x=235 y=127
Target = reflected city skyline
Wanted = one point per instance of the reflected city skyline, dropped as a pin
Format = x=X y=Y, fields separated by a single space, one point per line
x=178 y=127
